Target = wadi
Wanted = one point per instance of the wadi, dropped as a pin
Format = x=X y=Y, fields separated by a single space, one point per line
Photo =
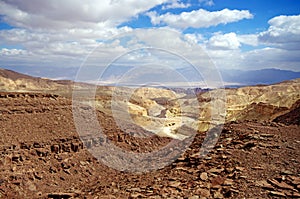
x=65 y=139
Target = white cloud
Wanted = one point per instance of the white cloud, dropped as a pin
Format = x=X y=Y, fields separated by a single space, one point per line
x=250 y=39
x=12 y=52
x=284 y=32
x=194 y=38
x=271 y=58
x=223 y=49
x=176 y=4
x=55 y=14
x=227 y=41
x=199 y=18
x=53 y=33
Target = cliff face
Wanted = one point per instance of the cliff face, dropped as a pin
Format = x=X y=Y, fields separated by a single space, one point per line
x=292 y=116
x=154 y=107
x=262 y=102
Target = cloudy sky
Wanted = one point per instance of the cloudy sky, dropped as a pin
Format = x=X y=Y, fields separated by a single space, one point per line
x=245 y=35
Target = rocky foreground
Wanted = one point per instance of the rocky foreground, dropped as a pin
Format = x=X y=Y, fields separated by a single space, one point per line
x=43 y=157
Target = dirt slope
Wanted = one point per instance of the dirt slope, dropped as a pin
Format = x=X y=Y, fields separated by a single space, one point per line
x=43 y=157
x=292 y=116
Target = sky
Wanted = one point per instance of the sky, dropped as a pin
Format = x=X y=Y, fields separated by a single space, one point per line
x=243 y=35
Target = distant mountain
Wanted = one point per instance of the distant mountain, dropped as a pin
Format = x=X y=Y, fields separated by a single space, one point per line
x=254 y=77
x=14 y=81
x=9 y=74
x=230 y=77
x=47 y=72
x=237 y=78
x=18 y=82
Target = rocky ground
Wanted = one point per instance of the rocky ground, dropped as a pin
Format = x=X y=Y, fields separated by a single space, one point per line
x=43 y=157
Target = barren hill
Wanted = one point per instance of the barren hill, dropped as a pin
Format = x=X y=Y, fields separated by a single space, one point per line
x=16 y=82
x=13 y=81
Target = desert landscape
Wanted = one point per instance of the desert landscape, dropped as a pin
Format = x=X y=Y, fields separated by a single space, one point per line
x=43 y=154
x=161 y=99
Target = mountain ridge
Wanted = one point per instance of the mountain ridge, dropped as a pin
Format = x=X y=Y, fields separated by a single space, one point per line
x=231 y=77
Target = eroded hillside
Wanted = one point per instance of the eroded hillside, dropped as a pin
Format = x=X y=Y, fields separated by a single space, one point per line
x=165 y=112
x=154 y=107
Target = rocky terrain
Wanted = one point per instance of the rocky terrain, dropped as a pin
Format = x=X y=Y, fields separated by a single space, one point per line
x=11 y=81
x=43 y=156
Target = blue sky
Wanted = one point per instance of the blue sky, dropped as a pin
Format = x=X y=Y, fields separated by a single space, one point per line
x=244 y=35
x=263 y=11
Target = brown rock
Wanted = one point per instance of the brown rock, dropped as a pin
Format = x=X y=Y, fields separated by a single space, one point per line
x=62 y=195
x=31 y=186
x=37 y=176
x=37 y=145
x=295 y=195
x=228 y=182
x=240 y=168
x=67 y=171
x=281 y=185
x=276 y=193
x=193 y=197
x=266 y=135
x=66 y=148
x=174 y=184
x=257 y=168
x=295 y=180
x=136 y=195
x=203 y=176
x=42 y=152
x=234 y=190
x=83 y=163
x=55 y=148
x=218 y=195
x=16 y=182
x=249 y=145
x=264 y=184
x=215 y=170
x=24 y=146
x=75 y=147
x=16 y=158
x=203 y=192
x=286 y=172
x=217 y=181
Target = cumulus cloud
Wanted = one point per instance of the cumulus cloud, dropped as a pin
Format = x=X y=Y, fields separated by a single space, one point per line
x=249 y=39
x=194 y=38
x=227 y=41
x=284 y=32
x=51 y=33
x=199 y=18
x=55 y=14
